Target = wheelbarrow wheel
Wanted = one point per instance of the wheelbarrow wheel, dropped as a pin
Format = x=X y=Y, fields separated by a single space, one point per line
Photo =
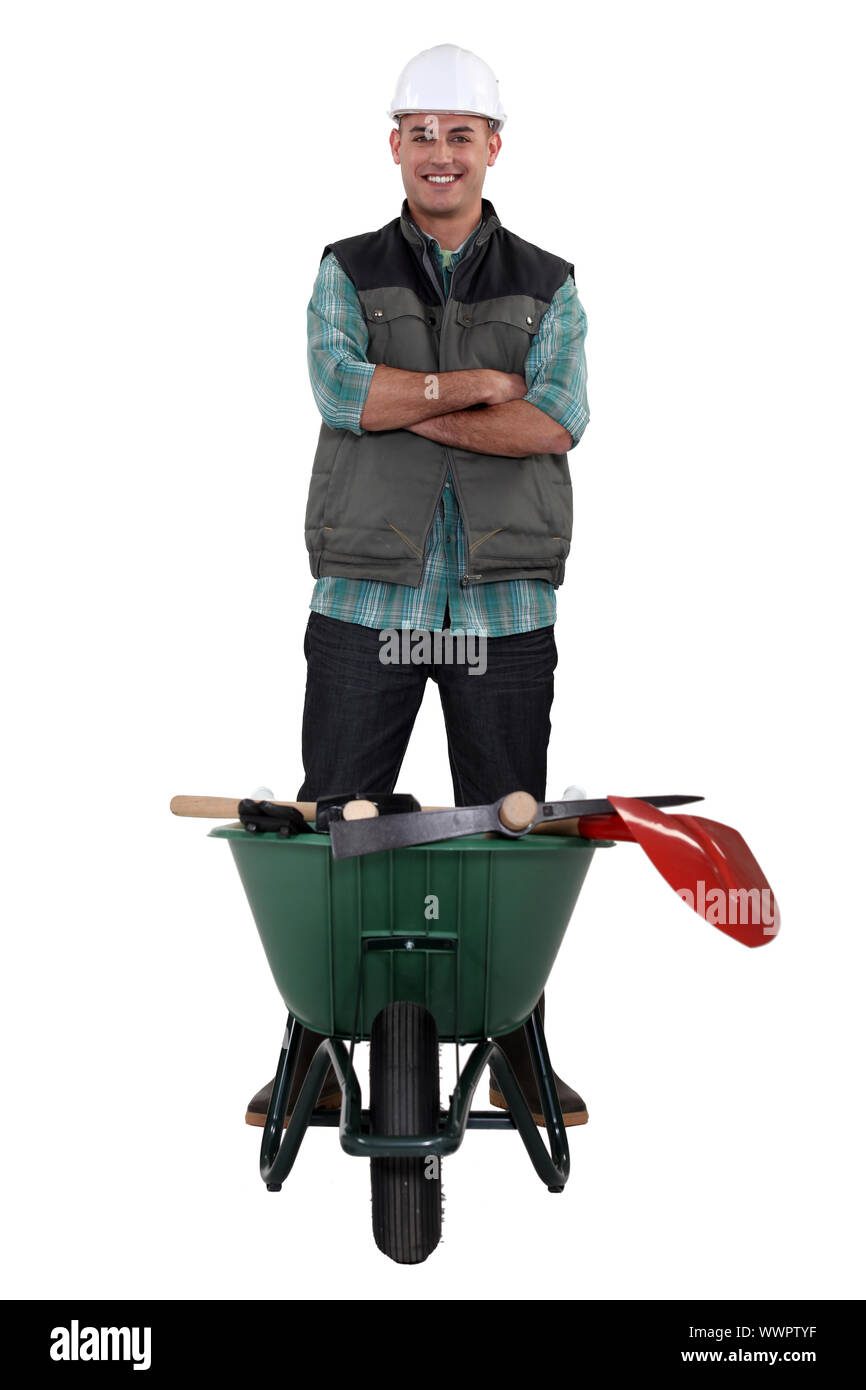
x=404 y=1099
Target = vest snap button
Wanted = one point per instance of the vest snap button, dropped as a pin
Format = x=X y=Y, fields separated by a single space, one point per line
x=528 y=320
x=377 y=313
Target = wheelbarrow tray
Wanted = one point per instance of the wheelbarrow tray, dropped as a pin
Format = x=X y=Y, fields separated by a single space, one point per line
x=475 y=924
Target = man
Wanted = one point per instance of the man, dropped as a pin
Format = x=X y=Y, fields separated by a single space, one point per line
x=446 y=359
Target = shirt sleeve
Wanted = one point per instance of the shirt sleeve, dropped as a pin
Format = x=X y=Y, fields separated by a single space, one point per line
x=555 y=365
x=337 y=340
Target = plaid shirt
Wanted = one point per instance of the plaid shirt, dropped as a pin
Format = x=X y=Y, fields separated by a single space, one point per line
x=340 y=375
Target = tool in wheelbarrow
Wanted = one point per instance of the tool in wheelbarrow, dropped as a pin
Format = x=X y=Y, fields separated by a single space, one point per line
x=514 y=814
x=321 y=813
x=348 y=806
x=285 y=820
x=708 y=864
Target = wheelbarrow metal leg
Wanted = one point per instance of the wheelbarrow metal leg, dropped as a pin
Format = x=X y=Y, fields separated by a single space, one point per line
x=544 y=1080
x=276 y=1158
x=278 y=1105
x=553 y=1167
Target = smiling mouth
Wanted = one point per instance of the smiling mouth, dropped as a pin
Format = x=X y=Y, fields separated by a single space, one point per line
x=441 y=180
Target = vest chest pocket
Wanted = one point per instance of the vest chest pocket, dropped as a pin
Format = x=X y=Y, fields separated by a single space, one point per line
x=498 y=333
x=403 y=331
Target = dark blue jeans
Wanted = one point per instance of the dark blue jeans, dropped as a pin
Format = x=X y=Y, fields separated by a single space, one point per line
x=359 y=714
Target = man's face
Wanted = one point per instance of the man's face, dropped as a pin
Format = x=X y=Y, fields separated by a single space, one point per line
x=443 y=160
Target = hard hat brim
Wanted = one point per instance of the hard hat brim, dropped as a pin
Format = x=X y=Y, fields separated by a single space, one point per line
x=497 y=121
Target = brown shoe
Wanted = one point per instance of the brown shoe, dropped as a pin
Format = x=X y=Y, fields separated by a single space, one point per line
x=330 y=1096
x=574 y=1111
x=514 y=1046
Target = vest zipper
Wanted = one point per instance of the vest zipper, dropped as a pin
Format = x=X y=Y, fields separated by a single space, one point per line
x=465 y=578
x=433 y=517
x=464 y=261
x=428 y=266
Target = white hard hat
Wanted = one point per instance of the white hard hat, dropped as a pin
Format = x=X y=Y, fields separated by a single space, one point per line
x=447 y=78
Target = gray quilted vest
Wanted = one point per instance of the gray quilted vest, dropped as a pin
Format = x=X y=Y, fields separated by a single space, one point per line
x=373 y=497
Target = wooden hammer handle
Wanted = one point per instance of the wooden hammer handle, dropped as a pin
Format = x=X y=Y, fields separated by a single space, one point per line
x=226 y=807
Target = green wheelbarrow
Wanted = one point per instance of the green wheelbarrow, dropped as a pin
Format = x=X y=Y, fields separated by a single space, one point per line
x=407 y=949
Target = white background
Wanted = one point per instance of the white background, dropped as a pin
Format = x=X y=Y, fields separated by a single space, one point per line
x=171 y=173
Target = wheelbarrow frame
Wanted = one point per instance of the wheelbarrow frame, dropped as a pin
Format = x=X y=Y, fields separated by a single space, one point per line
x=280 y=1149
x=478 y=974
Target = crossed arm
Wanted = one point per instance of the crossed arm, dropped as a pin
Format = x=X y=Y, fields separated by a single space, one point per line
x=441 y=407
x=512 y=430
x=480 y=410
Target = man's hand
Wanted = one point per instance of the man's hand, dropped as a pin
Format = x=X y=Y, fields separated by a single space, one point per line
x=505 y=387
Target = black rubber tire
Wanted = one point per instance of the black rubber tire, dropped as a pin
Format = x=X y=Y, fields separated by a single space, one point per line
x=404 y=1099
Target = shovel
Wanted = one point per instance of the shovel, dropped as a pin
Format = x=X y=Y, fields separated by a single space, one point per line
x=708 y=865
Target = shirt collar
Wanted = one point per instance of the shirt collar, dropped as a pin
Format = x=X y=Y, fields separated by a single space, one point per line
x=431 y=240
x=489 y=223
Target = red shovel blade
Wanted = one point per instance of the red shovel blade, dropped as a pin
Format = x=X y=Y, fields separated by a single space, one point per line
x=708 y=865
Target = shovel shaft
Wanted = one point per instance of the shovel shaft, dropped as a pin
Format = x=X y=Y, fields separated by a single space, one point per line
x=605 y=827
